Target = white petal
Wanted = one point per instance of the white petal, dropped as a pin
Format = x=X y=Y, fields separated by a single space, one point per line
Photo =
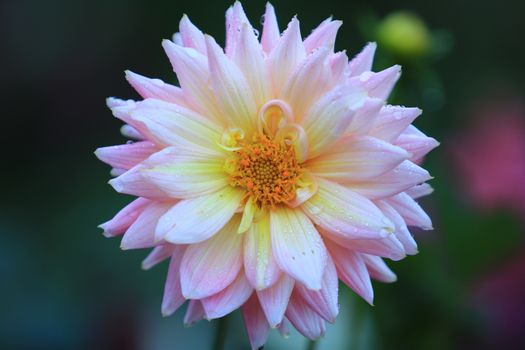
x=297 y=246
x=363 y=61
x=156 y=88
x=357 y=158
x=228 y=299
x=286 y=55
x=141 y=233
x=274 y=299
x=210 y=266
x=345 y=213
x=408 y=208
x=392 y=120
x=270 y=34
x=231 y=88
x=197 y=219
x=323 y=35
x=259 y=263
x=191 y=36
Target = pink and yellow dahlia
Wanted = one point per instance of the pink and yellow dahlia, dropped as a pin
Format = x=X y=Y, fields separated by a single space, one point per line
x=273 y=171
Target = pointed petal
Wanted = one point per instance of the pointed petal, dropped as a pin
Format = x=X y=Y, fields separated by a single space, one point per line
x=418 y=145
x=357 y=158
x=231 y=88
x=304 y=319
x=392 y=120
x=402 y=233
x=249 y=57
x=235 y=20
x=210 y=266
x=308 y=82
x=403 y=177
x=191 y=36
x=297 y=246
x=379 y=84
x=168 y=124
x=286 y=55
x=132 y=182
x=126 y=156
x=284 y=328
x=352 y=270
x=323 y=35
x=173 y=298
x=228 y=299
x=255 y=322
x=184 y=172
x=270 y=34
x=377 y=269
x=419 y=191
x=365 y=116
x=330 y=116
x=157 y=255
x=274 y=299
x=156 y=88
x=197 y=219
x=141 y=234
x=408 y=208
x=194 y=313
x=363 y=61
x=124 y=218
x=345 y=213
x=260 y=265
x=193 y=74
x=325 y=301
x=388 y=247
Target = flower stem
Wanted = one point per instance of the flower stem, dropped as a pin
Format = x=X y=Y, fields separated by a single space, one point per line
x=311 y=345
x=220 y=335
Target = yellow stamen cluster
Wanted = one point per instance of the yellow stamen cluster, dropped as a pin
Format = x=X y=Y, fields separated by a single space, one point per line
x=268 y=170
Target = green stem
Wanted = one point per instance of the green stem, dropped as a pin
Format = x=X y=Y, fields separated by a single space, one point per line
x=311 y=345
x=220 y=335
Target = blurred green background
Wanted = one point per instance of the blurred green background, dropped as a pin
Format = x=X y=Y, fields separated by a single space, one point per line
x=64 y=286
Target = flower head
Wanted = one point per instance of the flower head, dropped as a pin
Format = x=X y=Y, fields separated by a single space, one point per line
x=273 y=171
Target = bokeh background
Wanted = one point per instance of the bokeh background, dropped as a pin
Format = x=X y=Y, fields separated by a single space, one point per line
x=64 y=286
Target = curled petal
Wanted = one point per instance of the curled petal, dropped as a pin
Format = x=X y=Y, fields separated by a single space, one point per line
x=294 y=135
x=210 y=266
x=273 y=116
x=306 y=188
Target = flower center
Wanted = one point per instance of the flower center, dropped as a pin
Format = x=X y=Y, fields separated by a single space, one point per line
x=268 y=170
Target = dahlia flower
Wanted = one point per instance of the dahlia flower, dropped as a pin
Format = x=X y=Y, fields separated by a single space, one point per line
x=273 y=171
